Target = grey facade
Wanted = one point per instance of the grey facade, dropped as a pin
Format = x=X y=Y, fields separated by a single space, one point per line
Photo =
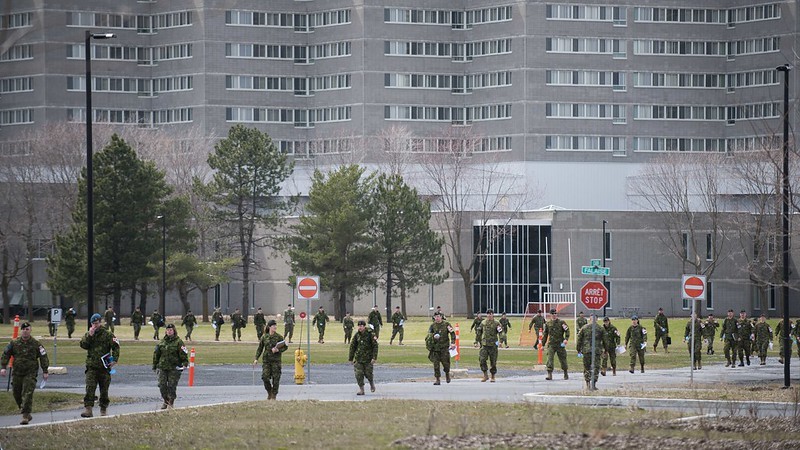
x=574 y=95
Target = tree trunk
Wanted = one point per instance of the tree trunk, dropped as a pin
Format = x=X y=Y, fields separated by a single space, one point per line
x=389 y=290
x=133 y=299
x=143 y=298
x=340 y=304
x=183 y=294
x=245 y=287
x=467 y=294
x=4 y=284
x=403 y=299
x=29 y=282
x=117 y=302
x=204 y=301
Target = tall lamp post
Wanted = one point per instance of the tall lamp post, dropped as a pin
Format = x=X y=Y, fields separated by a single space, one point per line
x=163 y=301
x=87 y=49
x=787 y=345
x=604 y=265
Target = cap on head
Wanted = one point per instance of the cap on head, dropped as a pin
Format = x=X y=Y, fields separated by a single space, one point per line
x=489 y=311
x=437 y=314
x=634 y=317
x=660 y=309
x=95 y=318
x=170 y=325
x=742 y=311
x=362 y=323
x=553 y=311
x=606 y=319
x=271 y=323
x=320 y=307
x=396 y=307
x=24 y=325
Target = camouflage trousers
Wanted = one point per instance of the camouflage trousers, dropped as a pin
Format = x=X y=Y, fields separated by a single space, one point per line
x=552 y=351
x=587 y=366
x=762 y=347
x=155 y=332
x=259 y=331
x=503 y=337
x=24 y=385
x=217 y=331
x=362 y=370
x=477 y=338
x=236 y=331
x=348 y=334
x=271 y=376
x=70 y=330
x=97 y=377
x=709 y=343
x=395 y=331
x=698 y=350
x=137 y=328
x=288 y=331
x=661 y=336
x=440 y=358
x=730 y=350
x=610 y=354
x=376 y=330
x=488 y=352
x=189 y=330
x=168 y=383
x=744 y=349
x=321 y=331
x=636 y=353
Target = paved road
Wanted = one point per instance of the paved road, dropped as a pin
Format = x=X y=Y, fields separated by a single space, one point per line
x=234 y=383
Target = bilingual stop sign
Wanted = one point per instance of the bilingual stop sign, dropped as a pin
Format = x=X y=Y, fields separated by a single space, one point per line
x=594 y=295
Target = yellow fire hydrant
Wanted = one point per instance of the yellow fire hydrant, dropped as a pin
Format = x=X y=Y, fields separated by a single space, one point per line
x=300 y=359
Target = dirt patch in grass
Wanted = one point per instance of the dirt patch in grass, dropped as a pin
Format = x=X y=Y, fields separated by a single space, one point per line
x=745 y=392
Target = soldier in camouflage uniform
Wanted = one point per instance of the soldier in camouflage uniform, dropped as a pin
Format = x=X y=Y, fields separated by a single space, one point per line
x=745 y=339
x=779 y=337
x=363 y=354
x=610 y=343
x=636 y=342
x=537 y=323
x=217 y=320
x=189 y=321
x=661 y=325
x=375 y=320
x=288 y=323
x=320 y=320
x=28 y=355
x=584 y=347
x=260 y=322
x=699 y=327
x=489 y=340
x=109 y=318
x=763 y=334
x=556 y=335
x=69 y=319
x=98 y=342
x=440 y=339
x=237 y=323
x=137 y=320
x=506 y=324
x=158 y=321
x=347 y=326
x=729 y=333
x=170 y=358
x=398 y=320
x=476 y=326
x=710 y=333
x=581 y=321
x=273 y=346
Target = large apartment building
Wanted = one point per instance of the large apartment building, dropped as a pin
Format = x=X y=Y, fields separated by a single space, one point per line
x=574 y=94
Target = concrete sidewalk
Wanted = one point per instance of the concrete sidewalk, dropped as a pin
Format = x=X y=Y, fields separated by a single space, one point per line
x=531 y=388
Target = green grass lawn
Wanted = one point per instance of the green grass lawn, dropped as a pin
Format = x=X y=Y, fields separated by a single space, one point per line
x=68 y=352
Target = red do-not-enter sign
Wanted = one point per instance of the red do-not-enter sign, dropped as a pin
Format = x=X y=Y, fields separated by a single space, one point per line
x=694 y=287
x=308 y=287
x=594 y=295
x=302 y=314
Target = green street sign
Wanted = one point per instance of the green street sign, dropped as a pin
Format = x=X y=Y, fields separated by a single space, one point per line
x=594 y=270
x=595 y=262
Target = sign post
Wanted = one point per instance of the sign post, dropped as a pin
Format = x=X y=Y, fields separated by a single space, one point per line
x=308 y=288
x=693 y=287
x=594 y=296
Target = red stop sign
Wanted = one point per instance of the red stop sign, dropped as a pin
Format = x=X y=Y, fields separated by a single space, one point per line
x=594 y=295
x=302 y=314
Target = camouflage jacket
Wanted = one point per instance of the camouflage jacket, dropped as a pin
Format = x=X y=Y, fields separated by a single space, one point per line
x=505 y=323
x=699 y=328
x=237 y=321
x=363 y=347
x=137 y=318
x=259 y=319
x=537 y=322
x=320 y=319
x=170 y=353
x=730 y=330
x=28 y=356
x=189 y=320
x=556 y=331
x=710 y=328
x=375 y=318
x=580 y=322
x=69 y=317
x=763 y=332
x=218 y=318
x=288 y=317
x=267 y=343
x=661 y=322
x=98 y=345
x=491 y=328
x=440 y=335
x=398 y=319
x=635 y=336
x=157 y=319
x=347 y=323
x=612 y=337
x=584 y=340
x=745 y=329
x=476 y=325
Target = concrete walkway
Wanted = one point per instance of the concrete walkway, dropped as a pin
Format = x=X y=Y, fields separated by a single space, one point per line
x=531 y=388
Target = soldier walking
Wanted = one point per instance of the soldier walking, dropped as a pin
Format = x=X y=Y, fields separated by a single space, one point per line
x=237 y=323
x=109 y=318
x=556 y=335
x=170 y=358
x=439 y=341
x=260 y=322
x=137 y=320
x=537 y=323
x=189 y=321
x=398 y=320
x=288 y=323
x=69 y=319
x=636 y=342
x=217 y=319
x=745 y=339
x=320 y=320
x=489 y=341
x=375 y=320
x=661 y=325
x=710 y=333
x=102 y=353
x=699 y=327
x=584 y=347
x=28 y=355
x=580 y=322
x=363 y=354
x=347 y=326
x=158 y=321
x=610 y=344
x=476 y=326
x=272 y=346
x=729 y=333
x=506 y=324
x=779 y=336
x=763 y=334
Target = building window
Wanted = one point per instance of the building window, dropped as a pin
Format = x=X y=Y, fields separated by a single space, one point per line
x=610 y=295
x=709 y=296
x=685 y=246
x=607 y=245
x=709 y=247
x=773 y=298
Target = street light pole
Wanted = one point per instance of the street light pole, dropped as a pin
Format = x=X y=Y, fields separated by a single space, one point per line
x=787 y=345
x=604 y=265
x=163 y=303
x=89 y=173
